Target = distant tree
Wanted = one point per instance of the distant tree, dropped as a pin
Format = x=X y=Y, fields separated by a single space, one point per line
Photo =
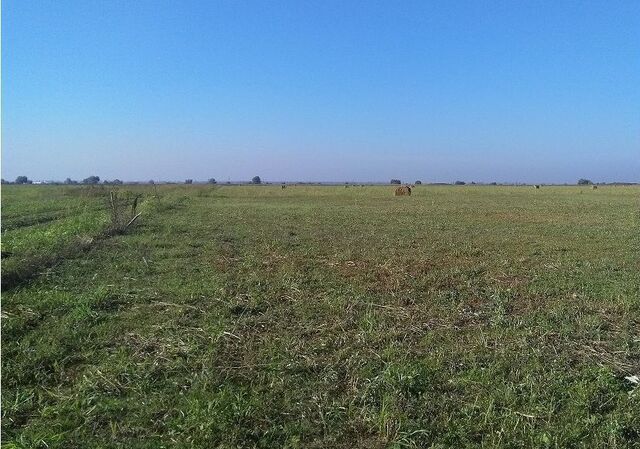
x=91 y=180
x=418 y=182
x=212 y=181
x=396 y=181
x=584 y=182
x=188 y=181
x=494 y=184
x=256 y=180
x=151 y=181
x=70 y=181
x=116 y=182
x=22 y=180
x=459 y=183
x=2 y=181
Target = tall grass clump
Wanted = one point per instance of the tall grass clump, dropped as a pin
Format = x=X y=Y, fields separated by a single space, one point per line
x=123 y=209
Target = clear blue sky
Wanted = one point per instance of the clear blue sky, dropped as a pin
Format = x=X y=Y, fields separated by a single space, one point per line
x=534 y=91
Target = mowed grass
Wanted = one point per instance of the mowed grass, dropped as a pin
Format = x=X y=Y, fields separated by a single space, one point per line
x=317 y=317
x=40 y=225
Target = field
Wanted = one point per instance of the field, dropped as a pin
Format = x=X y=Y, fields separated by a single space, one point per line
x=322 y=317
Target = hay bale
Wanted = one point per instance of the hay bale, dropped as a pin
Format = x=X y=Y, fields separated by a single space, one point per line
x=402 y=191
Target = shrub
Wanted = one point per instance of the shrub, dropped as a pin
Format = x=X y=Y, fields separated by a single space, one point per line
x=91 y=180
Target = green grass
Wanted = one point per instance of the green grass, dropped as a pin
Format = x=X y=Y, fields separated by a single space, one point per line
x=318 y=317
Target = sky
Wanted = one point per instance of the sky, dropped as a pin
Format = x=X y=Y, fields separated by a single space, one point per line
x=438 y=91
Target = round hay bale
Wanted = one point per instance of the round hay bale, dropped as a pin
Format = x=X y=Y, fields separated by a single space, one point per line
x=402 y=191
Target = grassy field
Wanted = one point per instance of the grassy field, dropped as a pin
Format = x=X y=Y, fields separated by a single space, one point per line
x=322 y=317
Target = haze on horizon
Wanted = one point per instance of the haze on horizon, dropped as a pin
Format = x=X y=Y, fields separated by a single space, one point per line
x=499 y=91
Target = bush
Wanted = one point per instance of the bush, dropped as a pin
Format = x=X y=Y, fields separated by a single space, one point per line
x=91 y=180
x=212 y=181
x=584 y=182
x=396 y=181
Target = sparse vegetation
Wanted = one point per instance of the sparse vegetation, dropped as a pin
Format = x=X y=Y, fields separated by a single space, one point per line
x=323 y=317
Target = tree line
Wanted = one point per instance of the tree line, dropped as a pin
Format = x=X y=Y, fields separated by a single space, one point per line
x=93 y=180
